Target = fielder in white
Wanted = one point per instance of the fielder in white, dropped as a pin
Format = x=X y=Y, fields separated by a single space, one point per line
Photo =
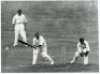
x=82 y=50
x=19 y=21
x=41 y=45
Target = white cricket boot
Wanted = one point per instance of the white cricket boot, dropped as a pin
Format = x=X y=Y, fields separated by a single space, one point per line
x=52 y=63
x=33 y=64
x=14 y=45
x=72 y=61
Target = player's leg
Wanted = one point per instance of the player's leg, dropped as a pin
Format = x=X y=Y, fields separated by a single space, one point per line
x=45 y=55
x=86 y=58
x=77 y=54
x=23 y=33
x=35 y=56
x=16 y=31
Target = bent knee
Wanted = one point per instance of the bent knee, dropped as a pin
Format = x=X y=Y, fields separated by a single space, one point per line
x=44 y=54
x=77 y=54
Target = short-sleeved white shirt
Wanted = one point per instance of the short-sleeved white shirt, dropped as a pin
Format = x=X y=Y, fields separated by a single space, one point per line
x=40 y=41
x=19 y=19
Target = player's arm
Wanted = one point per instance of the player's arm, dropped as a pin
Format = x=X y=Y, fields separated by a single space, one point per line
x=13 y=22
x=44 y=42
x=79 y=49
x=34 y=43
x=25 y=20
x=87 y=46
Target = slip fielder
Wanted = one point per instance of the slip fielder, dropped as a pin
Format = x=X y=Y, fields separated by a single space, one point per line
x=40 y=44
x=19 y=21
x=82 y=50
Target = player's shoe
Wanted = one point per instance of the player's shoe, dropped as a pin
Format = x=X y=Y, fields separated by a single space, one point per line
x=52 y=63
x=33 y=64
x=14 y=45
x=86 y=64
x=72 y=61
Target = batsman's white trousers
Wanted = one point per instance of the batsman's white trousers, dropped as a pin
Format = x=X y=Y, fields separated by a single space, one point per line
x=19 y=30
x=43 y=53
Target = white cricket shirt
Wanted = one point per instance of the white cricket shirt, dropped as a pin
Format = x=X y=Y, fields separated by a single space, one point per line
x=19 y=19
x=40 y=41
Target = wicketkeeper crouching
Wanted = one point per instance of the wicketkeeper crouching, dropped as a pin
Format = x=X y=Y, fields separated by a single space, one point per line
x=40 y=44
x=82 y=50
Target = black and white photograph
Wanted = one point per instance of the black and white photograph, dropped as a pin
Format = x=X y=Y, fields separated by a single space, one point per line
x=60 y=36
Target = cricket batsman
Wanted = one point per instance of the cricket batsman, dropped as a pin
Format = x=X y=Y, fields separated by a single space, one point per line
x=19 y=21
x=82 y=50
x=40 y=45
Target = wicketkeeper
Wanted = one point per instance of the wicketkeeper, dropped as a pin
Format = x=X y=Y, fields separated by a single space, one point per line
x=40 y=44
x=82 y=50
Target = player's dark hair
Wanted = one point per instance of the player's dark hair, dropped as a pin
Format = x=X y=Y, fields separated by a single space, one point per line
x=19 y=11
x=81 y=39
x=37 y=35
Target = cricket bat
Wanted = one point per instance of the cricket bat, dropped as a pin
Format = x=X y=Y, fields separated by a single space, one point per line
x=26 y=43
x=32 y=46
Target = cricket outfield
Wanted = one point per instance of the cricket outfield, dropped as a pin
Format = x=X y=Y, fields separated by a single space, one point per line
x=62 y=23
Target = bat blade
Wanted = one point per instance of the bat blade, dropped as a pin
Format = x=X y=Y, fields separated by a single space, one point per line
x=25 y=43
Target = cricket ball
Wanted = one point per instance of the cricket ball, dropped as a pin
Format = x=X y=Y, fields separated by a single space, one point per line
x=7 y=48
